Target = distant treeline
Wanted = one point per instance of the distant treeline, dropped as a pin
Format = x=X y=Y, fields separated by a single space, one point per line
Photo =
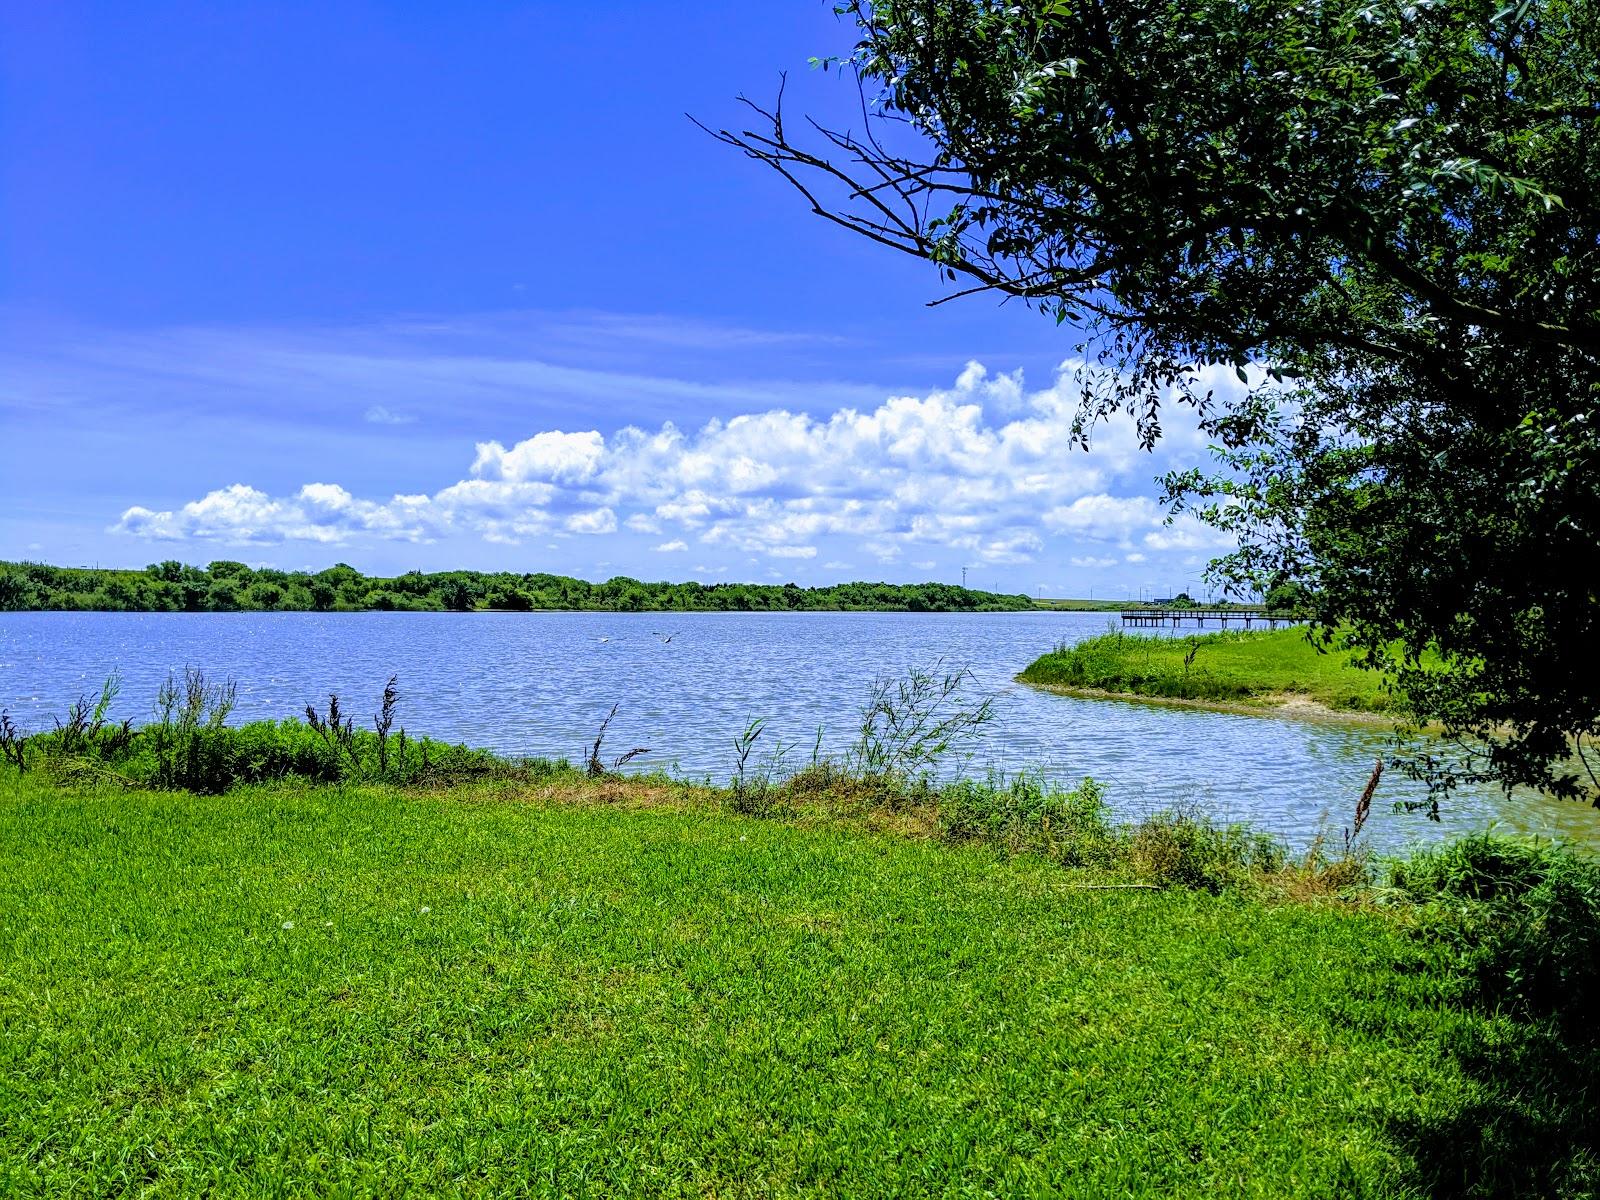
x=234 y=587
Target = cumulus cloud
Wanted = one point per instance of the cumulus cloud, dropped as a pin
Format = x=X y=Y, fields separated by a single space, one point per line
x=600 y=520
x=1103 y=516
x=318 y=512
x=984 y=468
x=553 y=455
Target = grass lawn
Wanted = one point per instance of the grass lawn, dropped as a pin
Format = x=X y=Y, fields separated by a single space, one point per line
x=361 y=991
x=1236 y=667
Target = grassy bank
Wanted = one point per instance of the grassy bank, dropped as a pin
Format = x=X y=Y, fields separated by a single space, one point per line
x=622 y=988
x=297 y=957
x=1254 y=669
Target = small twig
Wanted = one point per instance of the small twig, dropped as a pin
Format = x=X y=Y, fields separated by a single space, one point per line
x=1364 y=805
x=594 y=767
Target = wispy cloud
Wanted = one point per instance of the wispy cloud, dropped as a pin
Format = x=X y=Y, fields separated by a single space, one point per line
x=470 y=371
x=379 y=415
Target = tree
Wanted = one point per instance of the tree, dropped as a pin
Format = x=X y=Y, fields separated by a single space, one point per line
x=457 y=596
x=264 y=595
x=1384 y=217
x=16 y=591
x=322 y=594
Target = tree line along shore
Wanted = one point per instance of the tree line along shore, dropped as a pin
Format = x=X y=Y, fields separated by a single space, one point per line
x=227 y=586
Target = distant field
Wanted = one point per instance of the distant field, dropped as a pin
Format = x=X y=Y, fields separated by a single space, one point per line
x=358 y=991
x=1240 y=667
x=1067 y=605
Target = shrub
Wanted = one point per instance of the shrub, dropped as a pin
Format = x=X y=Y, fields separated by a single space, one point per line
x=1179 y=847
x=913 y=722
x=1025 y=814
x=1522 y=918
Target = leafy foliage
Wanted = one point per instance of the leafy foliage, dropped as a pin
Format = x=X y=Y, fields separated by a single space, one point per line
x=234 y=587
x=1385 y=217
x=1522 y=917
x=1024 y=814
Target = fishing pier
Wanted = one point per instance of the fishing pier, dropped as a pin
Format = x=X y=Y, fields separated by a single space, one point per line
x=1246 y=618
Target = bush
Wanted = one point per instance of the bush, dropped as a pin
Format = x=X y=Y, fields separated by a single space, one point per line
x=1178 y=847
x=1522 y=918
x=1025 y=814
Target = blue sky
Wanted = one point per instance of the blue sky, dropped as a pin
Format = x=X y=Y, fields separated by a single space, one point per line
x=423 y=285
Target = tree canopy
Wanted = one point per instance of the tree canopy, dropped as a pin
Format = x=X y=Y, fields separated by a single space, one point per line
x=1390 y=210
x=227 y=586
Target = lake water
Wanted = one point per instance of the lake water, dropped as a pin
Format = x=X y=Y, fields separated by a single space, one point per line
x=540 y=683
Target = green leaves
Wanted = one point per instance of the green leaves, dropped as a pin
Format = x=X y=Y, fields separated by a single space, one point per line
x=1396 y=206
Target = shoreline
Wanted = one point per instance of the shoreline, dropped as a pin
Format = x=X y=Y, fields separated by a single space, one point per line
x=1292 y=706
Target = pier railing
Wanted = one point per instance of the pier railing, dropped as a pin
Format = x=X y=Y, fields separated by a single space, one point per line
x=1248 y=618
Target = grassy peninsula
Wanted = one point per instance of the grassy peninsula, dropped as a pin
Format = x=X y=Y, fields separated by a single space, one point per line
x=294 y=957
x=227 y=586
x=1253 y=669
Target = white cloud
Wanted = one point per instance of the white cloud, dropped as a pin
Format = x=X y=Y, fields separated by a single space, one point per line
x=1092 y=562
x=1187 y=536
x=1105 y=517
x=319 y=512
x=601 y=520
x=553 y=455
x=984 y=468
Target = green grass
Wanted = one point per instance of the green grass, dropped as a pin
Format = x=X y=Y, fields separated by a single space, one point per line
x=1070 y=605
x=360 y=991
x=1236 y=667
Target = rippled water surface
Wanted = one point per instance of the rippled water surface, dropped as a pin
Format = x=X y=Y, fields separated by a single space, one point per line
x=540 y=683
